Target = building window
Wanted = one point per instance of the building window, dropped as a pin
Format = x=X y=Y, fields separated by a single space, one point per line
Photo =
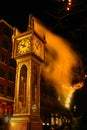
x=10 y=92
x=5 y=44
x=1 y=89
x=11 y=76
x=4 y=58
x=7 y=32
x=2 y=73
x=13 y=63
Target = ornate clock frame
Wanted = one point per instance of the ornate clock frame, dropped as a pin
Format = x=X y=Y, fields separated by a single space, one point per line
x=28 y=43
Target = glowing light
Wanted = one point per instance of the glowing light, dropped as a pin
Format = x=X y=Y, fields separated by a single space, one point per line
x=48 y=124
x=12 y=124
x=85 y=76
x=68 y=100
x=59 y=98
x=69 y=4
x=68 y=8
x=43 y=123
x=78 y=85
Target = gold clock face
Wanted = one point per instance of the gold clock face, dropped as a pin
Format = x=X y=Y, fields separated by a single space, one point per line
x=37 y=47
x=24 y=46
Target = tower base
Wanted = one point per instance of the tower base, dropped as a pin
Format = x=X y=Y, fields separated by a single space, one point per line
x=25 y=123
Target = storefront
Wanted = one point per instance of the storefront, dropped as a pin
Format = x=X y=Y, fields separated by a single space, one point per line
x=6 y=110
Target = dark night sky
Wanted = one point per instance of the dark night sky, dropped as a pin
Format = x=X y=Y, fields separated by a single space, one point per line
x=72 y=24
x=49 y=11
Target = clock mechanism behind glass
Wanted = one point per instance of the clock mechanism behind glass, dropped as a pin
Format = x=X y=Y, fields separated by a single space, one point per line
x=24 y=46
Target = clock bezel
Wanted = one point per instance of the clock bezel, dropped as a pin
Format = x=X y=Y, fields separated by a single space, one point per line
x=24 y=47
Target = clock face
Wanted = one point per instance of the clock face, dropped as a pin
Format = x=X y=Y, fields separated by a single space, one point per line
x=24 y=46
x=37 y=47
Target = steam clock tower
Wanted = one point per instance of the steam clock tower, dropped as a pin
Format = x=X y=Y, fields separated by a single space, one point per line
x=28 y=51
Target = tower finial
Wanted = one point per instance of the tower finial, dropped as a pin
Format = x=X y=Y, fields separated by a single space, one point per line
x=31 y=22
